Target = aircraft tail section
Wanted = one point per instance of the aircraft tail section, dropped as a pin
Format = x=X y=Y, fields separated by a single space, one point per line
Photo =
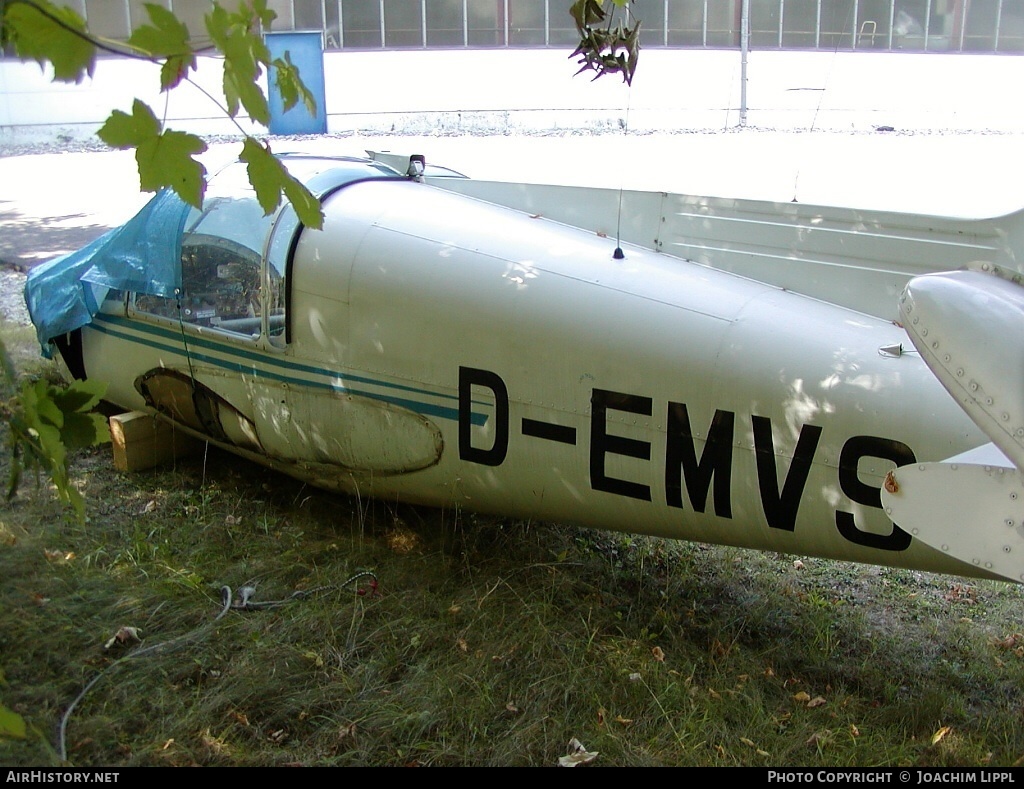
x=968 y=326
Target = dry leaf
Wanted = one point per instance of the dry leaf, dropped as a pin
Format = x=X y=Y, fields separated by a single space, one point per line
x=799 y=565
x=150 y=506
x=454 y=609
x=511 y=707
x=659 y=655
x=402 y=540
x=714 y=693
x=578 y=755
x=600 y=716
x=940 y=734
x=463 y=645
x=348 y=730
x=854 y=731
x=1009 y=642
x=231 y=520
x=817 y=701
x=623 y=721
x=802 y=697
x=126 y=635
x=749 y=743
x=215 y=744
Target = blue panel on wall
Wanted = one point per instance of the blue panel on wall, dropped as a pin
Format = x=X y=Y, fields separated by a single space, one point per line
x=306 y=52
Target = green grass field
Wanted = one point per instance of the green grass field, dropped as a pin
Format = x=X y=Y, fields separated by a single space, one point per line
x=486 y=642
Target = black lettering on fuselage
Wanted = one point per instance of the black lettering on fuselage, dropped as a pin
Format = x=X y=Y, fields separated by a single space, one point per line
x=854 y=449
x=780 y=503
x=602 y=442
x=715 y=461
x=495 y=455
x=780 y=508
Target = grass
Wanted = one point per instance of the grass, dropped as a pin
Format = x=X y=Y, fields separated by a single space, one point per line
x=488 y=642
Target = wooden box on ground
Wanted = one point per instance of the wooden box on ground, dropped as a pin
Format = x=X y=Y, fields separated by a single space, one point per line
x=142 y=441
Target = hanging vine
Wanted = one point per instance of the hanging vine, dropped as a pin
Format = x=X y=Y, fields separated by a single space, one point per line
x=608 y=45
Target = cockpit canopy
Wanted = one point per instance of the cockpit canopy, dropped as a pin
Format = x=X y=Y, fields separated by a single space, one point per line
x=220 y=266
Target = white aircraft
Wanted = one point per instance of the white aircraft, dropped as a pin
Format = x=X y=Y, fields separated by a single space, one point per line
x=724 y=371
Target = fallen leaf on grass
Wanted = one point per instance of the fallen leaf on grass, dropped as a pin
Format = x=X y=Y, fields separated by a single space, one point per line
x=1008 y=642
x=348 y=730
x=817 y=701
x=125 y=635
x=578 y=755
x=659 y=655
x=940 y=734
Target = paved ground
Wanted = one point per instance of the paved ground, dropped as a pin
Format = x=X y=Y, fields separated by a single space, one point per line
x=53 y=203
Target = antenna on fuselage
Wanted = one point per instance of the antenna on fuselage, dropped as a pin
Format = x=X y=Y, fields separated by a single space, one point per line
x=417 y=166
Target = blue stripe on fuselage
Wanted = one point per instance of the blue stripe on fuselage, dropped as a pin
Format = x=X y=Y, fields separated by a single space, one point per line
x=162 y=339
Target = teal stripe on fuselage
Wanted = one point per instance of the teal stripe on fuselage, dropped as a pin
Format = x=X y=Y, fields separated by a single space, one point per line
x=112 y=325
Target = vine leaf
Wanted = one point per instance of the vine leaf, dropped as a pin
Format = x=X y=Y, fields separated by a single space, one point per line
x=607 y=50
x=290 y=84
x=11 y=724
x=46 y=33
x=245 y=54
x=46 y=423
x=270 y=178
x=167 y=37
x=165 y=158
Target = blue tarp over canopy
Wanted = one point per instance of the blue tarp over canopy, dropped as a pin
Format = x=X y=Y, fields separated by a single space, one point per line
x=143 y=255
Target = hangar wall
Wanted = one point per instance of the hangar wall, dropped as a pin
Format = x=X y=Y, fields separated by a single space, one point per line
x=505 y=91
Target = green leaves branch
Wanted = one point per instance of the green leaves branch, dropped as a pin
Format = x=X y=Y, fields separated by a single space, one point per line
x=41 y=31
x=607 y=50
x=45 y=423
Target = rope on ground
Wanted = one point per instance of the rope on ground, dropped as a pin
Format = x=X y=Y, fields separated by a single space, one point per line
x=243 y=602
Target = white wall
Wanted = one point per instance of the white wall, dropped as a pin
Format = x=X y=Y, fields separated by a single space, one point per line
x=501 y=91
